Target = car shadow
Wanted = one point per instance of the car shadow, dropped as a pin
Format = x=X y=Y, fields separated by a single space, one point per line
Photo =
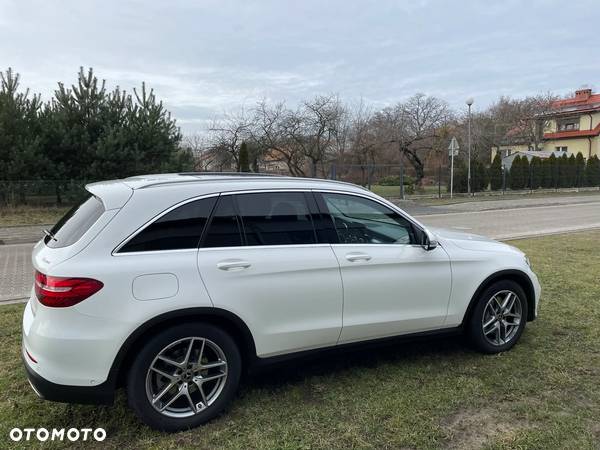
x=273 y=374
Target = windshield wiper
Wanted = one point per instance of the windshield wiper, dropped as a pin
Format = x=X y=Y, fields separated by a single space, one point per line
x=50 y=234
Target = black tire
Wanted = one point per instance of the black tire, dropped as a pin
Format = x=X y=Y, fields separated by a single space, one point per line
x=474 y=324
x=137 y=376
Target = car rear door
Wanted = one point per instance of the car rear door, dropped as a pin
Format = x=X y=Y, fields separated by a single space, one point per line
x=262 y=258
x=392 y=285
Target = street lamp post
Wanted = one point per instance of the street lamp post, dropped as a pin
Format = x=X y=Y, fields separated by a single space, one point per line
x=469 y=103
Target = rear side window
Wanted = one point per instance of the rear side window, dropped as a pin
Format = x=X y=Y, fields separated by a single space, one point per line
x=75 y=223
x=224 y=229
x=179 y=229
x=276 y=218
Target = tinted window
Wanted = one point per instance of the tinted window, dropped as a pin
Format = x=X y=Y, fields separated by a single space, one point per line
x=362 y=221
x=75 y=223
x=277 y=218
x=224 y=229
x=178 y=229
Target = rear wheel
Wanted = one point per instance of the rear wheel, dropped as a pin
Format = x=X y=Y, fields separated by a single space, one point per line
x=498 y=318
x=184 y=376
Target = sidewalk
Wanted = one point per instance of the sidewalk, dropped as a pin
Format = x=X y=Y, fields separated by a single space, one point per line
x=16 y=272
x=18 y=234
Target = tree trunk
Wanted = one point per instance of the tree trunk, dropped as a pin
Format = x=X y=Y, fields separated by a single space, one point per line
x=416 y=163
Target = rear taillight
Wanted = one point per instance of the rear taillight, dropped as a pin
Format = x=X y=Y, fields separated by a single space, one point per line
x=59 y=292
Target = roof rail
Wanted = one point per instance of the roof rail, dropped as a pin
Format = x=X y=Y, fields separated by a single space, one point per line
x=235 y=174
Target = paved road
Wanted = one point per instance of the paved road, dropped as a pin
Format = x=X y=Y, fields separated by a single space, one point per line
x=16 y=270
x=520 y=222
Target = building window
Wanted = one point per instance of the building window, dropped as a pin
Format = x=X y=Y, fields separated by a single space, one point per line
x=568 y=124
x=561 y=149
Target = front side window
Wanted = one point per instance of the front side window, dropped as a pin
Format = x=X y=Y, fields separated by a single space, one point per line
x=75 y=223
x=178 y=229
x=276 y=218
x=362 y=221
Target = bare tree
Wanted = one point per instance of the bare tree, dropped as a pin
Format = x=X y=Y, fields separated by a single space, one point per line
x=521 y=120
x=315 y=127
x=271 y=133
x=412 y=127
x=309 y=134
x=227 y=135
x=200 y=149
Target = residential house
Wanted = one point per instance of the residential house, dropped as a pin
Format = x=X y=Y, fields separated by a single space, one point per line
x=572 y=126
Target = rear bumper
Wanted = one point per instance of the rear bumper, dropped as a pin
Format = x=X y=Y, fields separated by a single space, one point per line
x=102 y=394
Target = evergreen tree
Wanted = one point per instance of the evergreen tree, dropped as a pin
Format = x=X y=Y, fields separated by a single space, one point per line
x=563 y=171
x=592 y=171
x=92 y=134
x=571 y=171
x=516 y=174
x=554 y=170
x=536 y=171
x=460 y=176
x=526 y=173
x=244 y=158
x=579 y=170
x=546 y=169
x=495 y=173
x=479 y=176
x=21 y=151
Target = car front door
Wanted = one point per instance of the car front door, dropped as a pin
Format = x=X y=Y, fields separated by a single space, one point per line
x=261 y=258
x=392 y=285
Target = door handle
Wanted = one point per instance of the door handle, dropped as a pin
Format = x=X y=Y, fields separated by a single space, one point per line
x=233 y=265
x=353 y=257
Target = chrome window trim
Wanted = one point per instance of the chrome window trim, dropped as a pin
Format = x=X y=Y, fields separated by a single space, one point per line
x=372 y=197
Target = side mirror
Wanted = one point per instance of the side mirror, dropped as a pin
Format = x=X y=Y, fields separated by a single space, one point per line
x=431 y=241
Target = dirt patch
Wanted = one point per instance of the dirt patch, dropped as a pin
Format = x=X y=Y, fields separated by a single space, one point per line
x=474 y=428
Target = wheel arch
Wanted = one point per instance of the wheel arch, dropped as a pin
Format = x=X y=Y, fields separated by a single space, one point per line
x=519 y=277
x=227 y=320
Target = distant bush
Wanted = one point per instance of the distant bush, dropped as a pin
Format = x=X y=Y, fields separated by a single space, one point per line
x=394 y=180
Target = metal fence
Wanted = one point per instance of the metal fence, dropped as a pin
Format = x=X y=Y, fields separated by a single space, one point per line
x=41 y=192
x=393 y=180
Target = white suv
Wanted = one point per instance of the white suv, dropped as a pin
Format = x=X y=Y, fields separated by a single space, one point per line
x=171 y=285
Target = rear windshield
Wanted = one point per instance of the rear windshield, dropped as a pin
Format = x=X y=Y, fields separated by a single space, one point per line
x=75 y=223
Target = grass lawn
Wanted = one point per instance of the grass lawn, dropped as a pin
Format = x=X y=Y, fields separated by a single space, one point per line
x=544 y=394
x=31 y=215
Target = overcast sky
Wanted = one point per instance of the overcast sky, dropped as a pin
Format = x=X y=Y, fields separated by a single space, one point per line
x=206 y=57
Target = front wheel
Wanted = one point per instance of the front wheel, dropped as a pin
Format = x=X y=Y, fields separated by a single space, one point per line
x=498 y=318
x=184 y=376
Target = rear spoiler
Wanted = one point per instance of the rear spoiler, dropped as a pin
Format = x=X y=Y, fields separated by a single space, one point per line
x=113 y=194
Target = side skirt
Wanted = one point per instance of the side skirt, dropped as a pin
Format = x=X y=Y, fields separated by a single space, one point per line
x=258 y=364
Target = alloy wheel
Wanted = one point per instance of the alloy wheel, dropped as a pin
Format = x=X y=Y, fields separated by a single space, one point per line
x=186 y=377
x=502 y=317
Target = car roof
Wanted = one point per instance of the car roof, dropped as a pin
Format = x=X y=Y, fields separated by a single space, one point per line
x=167 y=179
x=114 y=193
